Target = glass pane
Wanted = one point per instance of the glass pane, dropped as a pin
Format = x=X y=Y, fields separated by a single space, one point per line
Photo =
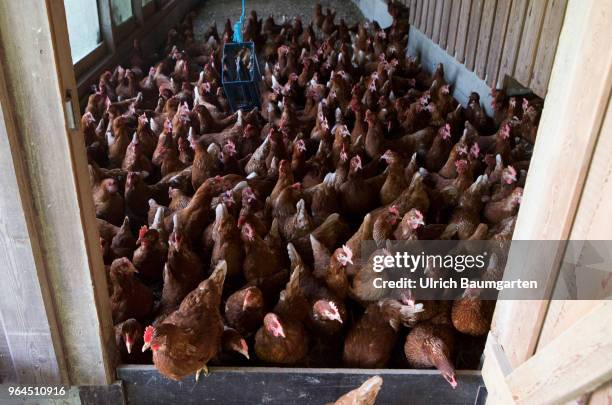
x=83 y=27
x=122 y=10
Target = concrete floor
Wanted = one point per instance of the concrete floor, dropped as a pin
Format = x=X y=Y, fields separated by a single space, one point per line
x=220 y=10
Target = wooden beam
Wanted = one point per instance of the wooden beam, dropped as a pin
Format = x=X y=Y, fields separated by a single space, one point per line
x=581 y=85
x=54 y=187
x=578 y=361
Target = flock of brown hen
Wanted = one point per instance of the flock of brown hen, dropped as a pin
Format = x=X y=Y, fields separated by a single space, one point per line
x=236 y=236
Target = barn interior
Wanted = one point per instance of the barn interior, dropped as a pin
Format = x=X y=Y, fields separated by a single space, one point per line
x=198 y=181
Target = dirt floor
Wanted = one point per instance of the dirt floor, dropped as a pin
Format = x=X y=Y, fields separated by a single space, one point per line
x=219 y=11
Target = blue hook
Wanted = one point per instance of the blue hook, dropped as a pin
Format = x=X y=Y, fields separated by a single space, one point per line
x=238 y=26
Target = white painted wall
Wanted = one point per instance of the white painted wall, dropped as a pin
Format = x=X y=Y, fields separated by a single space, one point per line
x=462 y=81
x=375 y=10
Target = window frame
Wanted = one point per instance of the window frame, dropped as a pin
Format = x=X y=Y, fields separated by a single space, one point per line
x=123 y=30
x=113 y=36
x=89 y=60
x=149 y=9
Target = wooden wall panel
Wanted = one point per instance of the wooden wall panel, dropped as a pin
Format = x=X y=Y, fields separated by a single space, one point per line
x=431 y=11
x=473 y=33
x=498 y=37
x=423 y=23
x=547 y=47
x=417 y=13
x=495 y=38
x=453 y=27
x=529 y=41
x=513 y=39
x=484 y=37
x=413 y=5
x=462 y=30
x=437 y=21
x=444 y=24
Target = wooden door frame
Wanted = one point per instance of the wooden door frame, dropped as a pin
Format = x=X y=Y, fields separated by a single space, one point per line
x=572 y=121
x=48 y=152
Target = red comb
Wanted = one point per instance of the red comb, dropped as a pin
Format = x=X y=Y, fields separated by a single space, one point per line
x=248 y=230
x=461 y=165
x=148 y=334
x=143 y=231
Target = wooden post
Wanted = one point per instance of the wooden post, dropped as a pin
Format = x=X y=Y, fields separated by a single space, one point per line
x=50 y=169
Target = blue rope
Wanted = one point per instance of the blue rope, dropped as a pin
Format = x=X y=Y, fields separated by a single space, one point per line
x=238 y=26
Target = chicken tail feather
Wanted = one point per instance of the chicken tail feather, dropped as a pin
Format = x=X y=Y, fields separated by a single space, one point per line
x=218 y=275
x=294 y=257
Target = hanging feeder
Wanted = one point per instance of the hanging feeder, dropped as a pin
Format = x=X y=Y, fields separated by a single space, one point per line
x=240 y=71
